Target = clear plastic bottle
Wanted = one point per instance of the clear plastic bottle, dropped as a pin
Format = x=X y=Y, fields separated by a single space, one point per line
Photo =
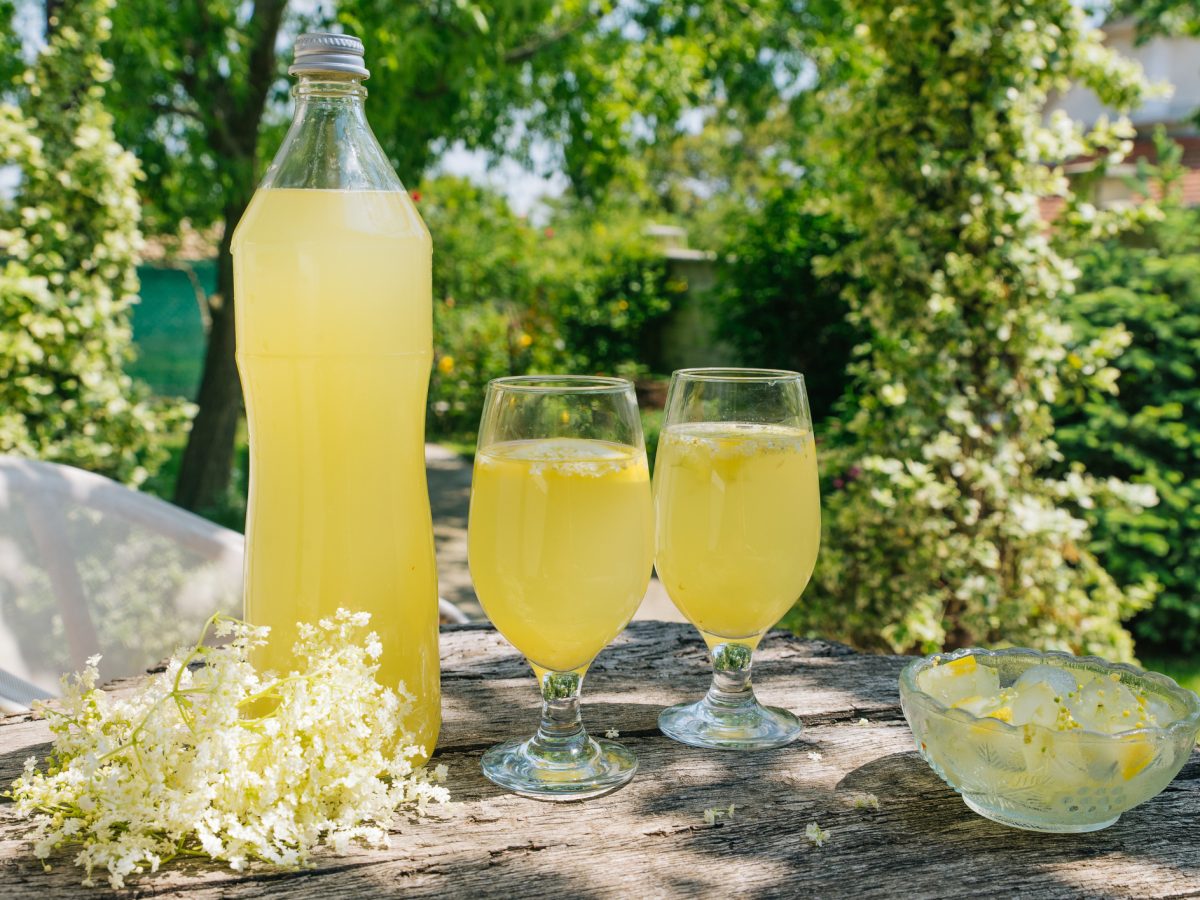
x=334 y=343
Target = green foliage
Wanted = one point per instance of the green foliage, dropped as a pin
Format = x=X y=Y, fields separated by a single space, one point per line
x=71 y=238
x=652 y=424
x=11 y=64
x=482 y=251
x=1154 y=17
x=950 y=527
x=202 y=93
x=1149 y=433
x=487 y=321
x=191 y=83
x=474 y=345
x=615 y=98
x=774 y=308
x=458 y=71
x=582 y=294
x=607 y=288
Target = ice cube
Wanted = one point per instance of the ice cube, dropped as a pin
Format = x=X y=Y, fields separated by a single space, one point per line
x=978 y=705
x=1158 y=711
x=1036 y=703
x=960 y=679
x=1122 y=757
x=1061 y=681
x=1107 y=706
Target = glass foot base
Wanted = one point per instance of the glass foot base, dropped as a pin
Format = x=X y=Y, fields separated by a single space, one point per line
x=603 y=766
x=1007 y=818
x=745 y=727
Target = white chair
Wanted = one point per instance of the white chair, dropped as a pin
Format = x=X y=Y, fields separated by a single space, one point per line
x=89 y=566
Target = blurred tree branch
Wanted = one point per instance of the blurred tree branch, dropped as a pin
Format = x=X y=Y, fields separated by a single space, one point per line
x=200 y=97
x=1159 y=17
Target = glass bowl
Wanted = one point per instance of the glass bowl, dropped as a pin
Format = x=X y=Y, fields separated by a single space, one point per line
x=1036 y=777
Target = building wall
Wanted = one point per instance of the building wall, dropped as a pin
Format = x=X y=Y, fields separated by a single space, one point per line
x=1172 y=60
x=691 y=334
x=1175 y=61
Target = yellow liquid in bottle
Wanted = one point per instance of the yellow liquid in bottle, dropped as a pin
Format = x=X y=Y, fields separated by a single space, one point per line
x=738 y=523
x=334 y=349
x=560 y=544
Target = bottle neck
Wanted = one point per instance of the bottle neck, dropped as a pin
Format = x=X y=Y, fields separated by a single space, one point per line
x=330 y=145
x=324 y=101
x=322 y=88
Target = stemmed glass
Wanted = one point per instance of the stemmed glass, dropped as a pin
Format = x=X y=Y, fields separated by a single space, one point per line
x=738 y=521
x=561 y=546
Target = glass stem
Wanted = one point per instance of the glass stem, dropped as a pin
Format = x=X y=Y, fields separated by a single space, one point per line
x=731 y=689
x=560 y=735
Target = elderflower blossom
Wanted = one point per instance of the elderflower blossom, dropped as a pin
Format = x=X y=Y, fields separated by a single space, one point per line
x=221 y=762
x=865 y=801
x=816 y=835
x=815 y=756
x=719 y=812
x=612 y=734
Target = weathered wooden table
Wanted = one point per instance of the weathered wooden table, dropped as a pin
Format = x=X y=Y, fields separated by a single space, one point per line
x=650 y=839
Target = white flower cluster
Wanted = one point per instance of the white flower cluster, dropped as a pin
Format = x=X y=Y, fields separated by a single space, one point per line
x=815 y=834
x=865 y=801
x=215 y=760
x=716 y=813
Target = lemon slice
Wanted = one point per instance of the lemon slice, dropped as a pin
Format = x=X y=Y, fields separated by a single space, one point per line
x=962 y=666
x=1004 y=714
x=1133 y=757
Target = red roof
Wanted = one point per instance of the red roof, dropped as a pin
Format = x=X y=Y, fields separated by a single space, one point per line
x=1143 y=148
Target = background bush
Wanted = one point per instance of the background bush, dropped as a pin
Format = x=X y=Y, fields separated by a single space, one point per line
x=953 y=526
x=1148 y=433
x=476 y=343
x=71 y=237
x=488 y=321
x=607 y=287
x=580 y=294
x=774 y=308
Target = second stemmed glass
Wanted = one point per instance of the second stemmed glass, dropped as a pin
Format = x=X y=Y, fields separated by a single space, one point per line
x=561 y=544
x=738 y=520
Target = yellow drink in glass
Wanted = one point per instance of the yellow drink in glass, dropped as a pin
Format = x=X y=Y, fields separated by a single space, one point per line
x=738 y=522
x=560 y=544
x=334 y=350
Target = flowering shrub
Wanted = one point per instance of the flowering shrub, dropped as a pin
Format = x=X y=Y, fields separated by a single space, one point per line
x=71 y=239
x=474 y=344
x=953 y=529
x=189 y=764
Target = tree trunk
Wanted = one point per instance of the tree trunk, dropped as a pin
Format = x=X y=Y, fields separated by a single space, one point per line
x=207 y=466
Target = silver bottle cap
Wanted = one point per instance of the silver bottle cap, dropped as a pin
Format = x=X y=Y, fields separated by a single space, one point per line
x=324 y=52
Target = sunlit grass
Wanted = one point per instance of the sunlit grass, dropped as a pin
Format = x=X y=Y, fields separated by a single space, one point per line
x=1184 y=670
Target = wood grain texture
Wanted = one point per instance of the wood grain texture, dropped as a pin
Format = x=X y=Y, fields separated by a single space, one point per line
x=650 y=840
